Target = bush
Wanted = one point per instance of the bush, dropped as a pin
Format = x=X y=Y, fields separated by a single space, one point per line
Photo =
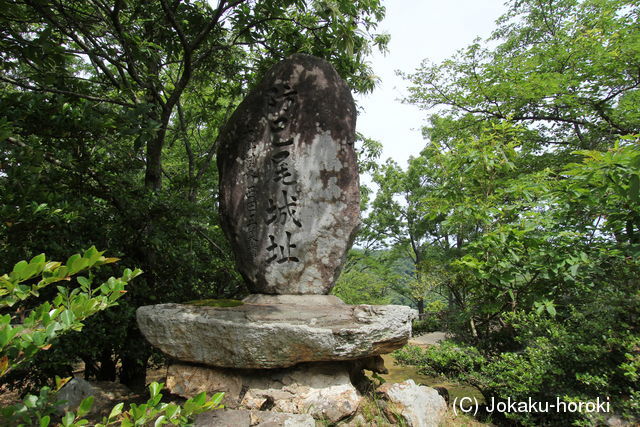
x=448 y=359
x=25 y=334
x=592 y=353
x=432 y=319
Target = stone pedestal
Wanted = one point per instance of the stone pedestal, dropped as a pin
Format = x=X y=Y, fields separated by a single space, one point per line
x=297 y=354
x=322 y=390
x=275 y=331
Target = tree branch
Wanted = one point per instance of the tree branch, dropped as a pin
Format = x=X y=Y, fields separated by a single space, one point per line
x=48 y=157
x=64 y=92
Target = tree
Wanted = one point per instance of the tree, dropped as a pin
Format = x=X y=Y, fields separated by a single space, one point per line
x=566 y=69
x=394 y=220
x=532 y=169
x=144 y=57
x=445 y=199
x=556 y=81
x=110 y=117
x=366 y=278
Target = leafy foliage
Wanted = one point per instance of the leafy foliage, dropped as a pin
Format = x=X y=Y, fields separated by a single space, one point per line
x=36 y=331
x=527 y=196
x=109 y=117
x=41 y=410
x=40 y=328
x=365 y=279
x=567 y=68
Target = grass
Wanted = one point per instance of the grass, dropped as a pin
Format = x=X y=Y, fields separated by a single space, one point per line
x=399 y=373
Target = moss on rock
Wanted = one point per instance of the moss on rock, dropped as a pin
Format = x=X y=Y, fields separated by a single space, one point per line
x=223 y=302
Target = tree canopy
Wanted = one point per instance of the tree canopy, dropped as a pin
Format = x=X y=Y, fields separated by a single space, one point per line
x=523 y=207
x=109 y=115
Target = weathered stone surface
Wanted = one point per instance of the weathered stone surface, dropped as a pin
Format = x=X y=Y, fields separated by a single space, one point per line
x=323 y=390
x=356 y=371
x=293 y=299
x=289 y=197
x=357 y=421
x=420 y=406
x=274 y=335
x=246 y=418
x=106 y=394
x=189 y=380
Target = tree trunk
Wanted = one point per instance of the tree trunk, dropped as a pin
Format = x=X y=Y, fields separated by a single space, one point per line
x=153 y=171
x=107 y=366
x=420 y=308
x=135 y=360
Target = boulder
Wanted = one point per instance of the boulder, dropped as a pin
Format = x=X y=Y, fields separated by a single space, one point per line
x=289 y=195
x=420 y=406
x=246 y=418
x=259 y=336
x=189 y=380
x=106 y=394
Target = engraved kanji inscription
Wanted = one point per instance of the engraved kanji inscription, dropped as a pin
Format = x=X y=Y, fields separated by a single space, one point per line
x=281 y=168
x=283 y=212
x=281 y=253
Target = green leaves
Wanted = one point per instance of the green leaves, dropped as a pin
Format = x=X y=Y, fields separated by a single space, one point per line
x=609 y=181
x=19 y=341
x=545 y=305
x=161 y=413
x=530 y=183
x=634 y=188
x=562 y=70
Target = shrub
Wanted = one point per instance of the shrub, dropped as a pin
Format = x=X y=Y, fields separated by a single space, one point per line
x=23 y=335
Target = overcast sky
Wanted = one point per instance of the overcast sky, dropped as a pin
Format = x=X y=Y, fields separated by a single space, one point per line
x=433 y=29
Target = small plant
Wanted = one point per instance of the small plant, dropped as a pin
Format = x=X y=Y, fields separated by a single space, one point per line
x=23 y=336
x=40 y=410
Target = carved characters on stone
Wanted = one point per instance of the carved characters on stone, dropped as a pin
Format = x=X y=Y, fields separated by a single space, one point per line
x=289 y=197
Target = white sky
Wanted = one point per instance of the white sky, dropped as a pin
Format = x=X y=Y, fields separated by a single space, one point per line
x=433 y=29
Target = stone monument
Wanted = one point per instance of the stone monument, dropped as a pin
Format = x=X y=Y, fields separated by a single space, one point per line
x=289 y=203
x=289 y=196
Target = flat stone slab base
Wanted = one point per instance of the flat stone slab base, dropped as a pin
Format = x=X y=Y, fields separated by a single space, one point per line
x=272 y=333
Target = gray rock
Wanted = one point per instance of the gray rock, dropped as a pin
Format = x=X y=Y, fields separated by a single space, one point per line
x=106 y=394
x=74 y=392
x=190 y=380
x=323 y=390
x=274 y=335
x=293 y=299
x=246 y=418
x=420 y=406
x=289 y=197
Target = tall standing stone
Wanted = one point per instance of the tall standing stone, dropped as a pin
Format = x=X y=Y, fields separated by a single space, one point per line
x=289 y=196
